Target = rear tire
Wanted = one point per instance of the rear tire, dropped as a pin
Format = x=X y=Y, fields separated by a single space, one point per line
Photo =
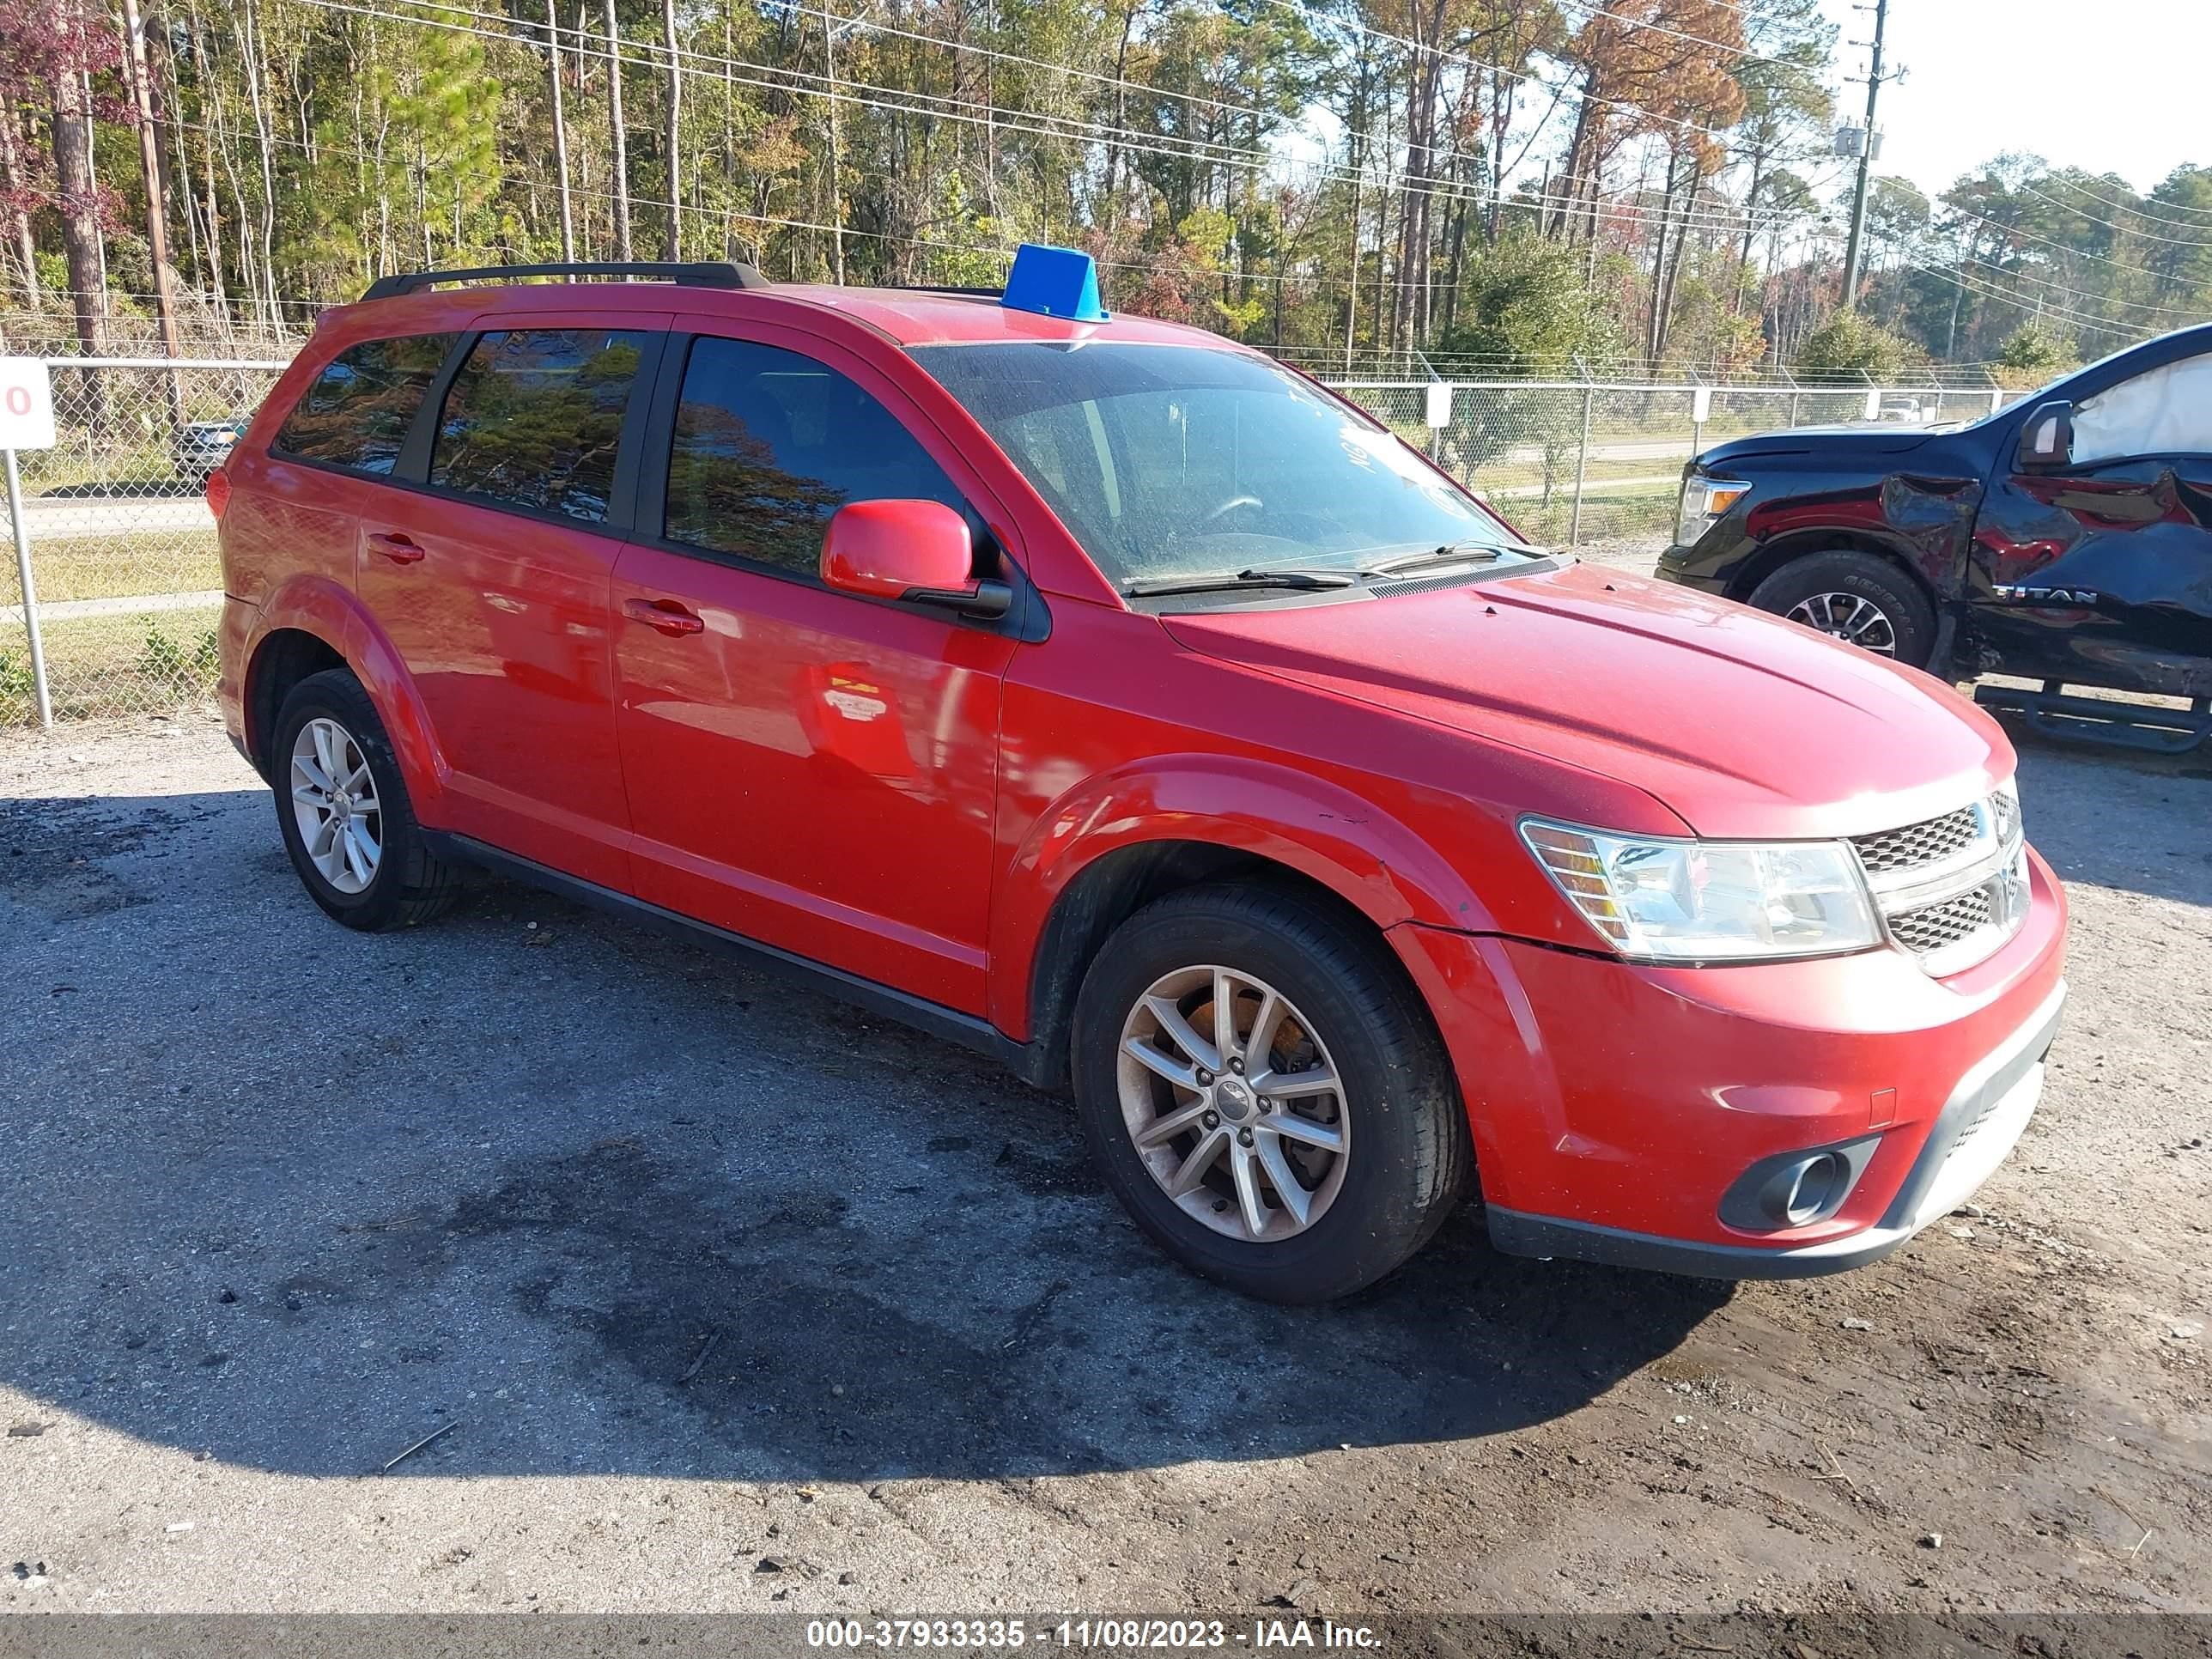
x=1376 y=1163
x=341 y=807
x=1857 y=598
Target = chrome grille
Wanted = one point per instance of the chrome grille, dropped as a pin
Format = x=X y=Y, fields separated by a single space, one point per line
x=1950 y=888
x=1935 y=926
x=2005 y=808
x=1929 y=842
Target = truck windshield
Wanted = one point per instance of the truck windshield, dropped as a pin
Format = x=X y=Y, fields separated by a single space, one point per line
x=1176 y=461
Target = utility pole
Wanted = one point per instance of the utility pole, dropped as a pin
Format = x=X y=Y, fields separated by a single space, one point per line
x=1857 y=244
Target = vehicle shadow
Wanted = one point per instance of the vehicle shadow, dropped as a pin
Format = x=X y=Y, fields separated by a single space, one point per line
x=294 y=1198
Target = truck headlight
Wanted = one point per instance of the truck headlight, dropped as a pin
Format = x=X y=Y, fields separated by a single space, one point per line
x=1663 y=900
x=1704 y=501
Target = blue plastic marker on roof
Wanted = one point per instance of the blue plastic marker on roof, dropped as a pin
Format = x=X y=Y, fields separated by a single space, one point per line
x=1053 y=282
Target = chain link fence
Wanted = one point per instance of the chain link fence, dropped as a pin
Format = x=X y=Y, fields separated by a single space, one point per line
x=1571 y=463
x=128 y=582
x=123 y=564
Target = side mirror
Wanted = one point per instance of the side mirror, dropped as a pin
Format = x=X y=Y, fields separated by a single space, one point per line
x=915 y=550
x=2047 y=440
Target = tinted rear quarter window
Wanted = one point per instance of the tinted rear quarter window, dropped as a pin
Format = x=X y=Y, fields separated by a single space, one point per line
x=357 y=413
x=534 y=416
x=769 y=443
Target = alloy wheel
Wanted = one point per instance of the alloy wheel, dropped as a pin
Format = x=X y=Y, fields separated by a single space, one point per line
x=334 y=803
x=1850 y=617
x=1233 y=1104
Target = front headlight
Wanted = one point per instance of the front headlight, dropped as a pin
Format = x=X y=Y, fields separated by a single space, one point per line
x=1709 y=901
x=1704 y=501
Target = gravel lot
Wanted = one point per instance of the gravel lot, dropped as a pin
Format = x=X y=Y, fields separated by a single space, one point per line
x=736 y=1299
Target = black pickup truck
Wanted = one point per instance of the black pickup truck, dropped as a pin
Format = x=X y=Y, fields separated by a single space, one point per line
x=2066 y=539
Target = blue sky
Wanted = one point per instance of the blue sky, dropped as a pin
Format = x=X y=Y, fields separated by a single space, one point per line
x=2110 y=85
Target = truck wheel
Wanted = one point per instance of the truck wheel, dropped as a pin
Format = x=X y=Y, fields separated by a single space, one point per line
x=1857 y=598
x=342 y=810
x=1263 y=1091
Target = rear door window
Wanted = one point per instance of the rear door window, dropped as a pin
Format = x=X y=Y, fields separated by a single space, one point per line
x=535 y=416
x=2166 y=411
x=357 y=413
x=768 y=444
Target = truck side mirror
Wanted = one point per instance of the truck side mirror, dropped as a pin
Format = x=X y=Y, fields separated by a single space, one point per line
x=2047 y=441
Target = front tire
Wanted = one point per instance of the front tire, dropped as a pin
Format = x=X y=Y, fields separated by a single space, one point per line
x=1857 y=598
x=342 y=810
x=1262 y=1090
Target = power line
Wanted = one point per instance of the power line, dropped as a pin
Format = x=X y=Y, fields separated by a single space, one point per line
x=1593 y=10
x=2187 y=317
x=2124 y=230
x=2094 y=324
x=1120 y=82
x=2071 y=252
x=836 y=89
x=1370 y=33
x=972 y=112
x=1317 y=282
x=2174 y=224
x=1062 y=127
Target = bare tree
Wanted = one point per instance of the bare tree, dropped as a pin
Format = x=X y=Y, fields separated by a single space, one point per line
x=675 y=132
x=14 y=180
x=77 y=199
x=620 y=166
x=560 y=129
x=157 y=194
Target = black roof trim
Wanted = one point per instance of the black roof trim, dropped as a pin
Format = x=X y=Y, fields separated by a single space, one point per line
x=710 y=273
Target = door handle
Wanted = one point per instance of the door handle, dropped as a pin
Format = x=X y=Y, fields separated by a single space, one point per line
x=664 y=616
x=398 y=548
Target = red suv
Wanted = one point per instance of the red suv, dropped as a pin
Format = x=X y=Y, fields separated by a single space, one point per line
x=1103 y=694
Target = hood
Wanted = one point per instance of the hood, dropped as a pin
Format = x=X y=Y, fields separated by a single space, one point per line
x=1743 y=725
x=1829 y=440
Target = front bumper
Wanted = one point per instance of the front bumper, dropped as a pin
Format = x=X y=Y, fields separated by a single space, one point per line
x=1617 y=1109
x=1683 y=566
x=1978 y=1127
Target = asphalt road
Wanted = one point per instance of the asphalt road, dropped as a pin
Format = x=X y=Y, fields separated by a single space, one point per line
x=728 y=1297
x=174 y=506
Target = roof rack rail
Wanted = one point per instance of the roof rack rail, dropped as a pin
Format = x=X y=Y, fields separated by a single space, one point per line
x=708 y=273
x=942 y=288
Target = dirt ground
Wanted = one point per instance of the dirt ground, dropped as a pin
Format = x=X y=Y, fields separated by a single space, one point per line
x=733 y=1298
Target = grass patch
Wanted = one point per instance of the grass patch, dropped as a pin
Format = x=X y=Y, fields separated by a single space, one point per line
x=75 y=465
x=115 y=664
x=109 y=567
x=1605 y=513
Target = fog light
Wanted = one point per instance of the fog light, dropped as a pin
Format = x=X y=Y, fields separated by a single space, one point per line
x=1805 y=1190
x=1795 y=1189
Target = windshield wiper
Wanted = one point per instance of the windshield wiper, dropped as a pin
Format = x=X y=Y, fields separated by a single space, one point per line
x=1226 y=583
x=1451 y=553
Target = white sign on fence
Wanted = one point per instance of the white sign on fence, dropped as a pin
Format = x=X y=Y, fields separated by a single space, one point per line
x=1440 y=403
x=1701 y=405
x=27 y=404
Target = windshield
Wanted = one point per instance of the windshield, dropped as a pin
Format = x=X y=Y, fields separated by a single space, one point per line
x=1171 y=461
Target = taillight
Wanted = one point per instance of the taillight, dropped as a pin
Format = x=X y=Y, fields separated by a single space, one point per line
x=218 y=493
